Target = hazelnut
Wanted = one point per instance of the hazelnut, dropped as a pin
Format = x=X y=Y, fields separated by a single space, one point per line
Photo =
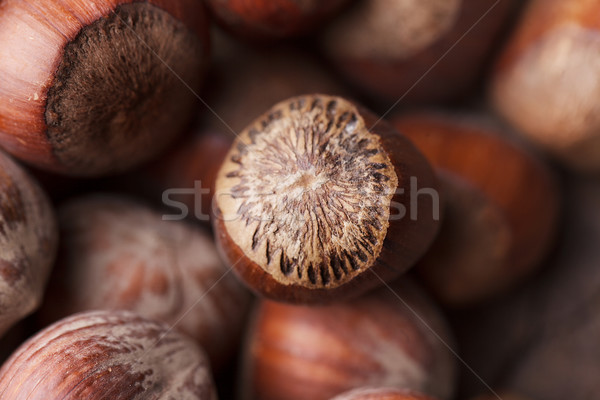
x=309 y=202
x=502 y=207
x=91 y=88
x=313 y=353
x=192 y=165
x=28 y=241
x=273 y=18
x=249 y=81
x=546 y=81
x=381 y=394
x=415 y=50
x=117 y=254
x=541 y=340
x=107 y=355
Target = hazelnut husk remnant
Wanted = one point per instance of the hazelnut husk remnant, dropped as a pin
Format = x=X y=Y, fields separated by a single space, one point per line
x=502 y=207
x=107 y=355
x=28 y=241
x=312 y=202
x=90 y=88
x=393 y=337
x=118 y=254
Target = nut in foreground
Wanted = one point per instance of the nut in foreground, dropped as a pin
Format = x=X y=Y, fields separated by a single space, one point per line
x=305 y=201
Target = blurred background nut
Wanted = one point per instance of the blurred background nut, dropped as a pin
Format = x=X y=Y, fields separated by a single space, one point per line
x=107 y=355
x=547 y=81
x=118 y=254
x=381 y=394
x=273 y=18
x=541 y=339
x=314 y=353
x=502 y=207
x=184 y=178
x=416 y=50
x=28 y=241
x=245 y=81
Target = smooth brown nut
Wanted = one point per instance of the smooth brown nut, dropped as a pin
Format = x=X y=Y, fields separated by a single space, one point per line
x=381 y=394
x=191 y=166
x=247 y=81
x=315 y=353
x=90 y=88
x=502 y=207
x=118 y=254
x=546 y=81
x=541 y=339
x=273 y=18
x=107 y=355
x=415 y=50
x=28 y=241
x=309 y=202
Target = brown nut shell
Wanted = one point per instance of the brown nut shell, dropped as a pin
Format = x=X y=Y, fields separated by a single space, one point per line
x=502 y=207
x=381 y=394
x=273 y=18
x=107 y=355
x=415 y=50
x=28 y=241
x=90 y=88
x=118 y=254
x=185 y=176
x=546 y=81
x=311 y=202
x=315 y=353
x=544 y=334
x=264 y=75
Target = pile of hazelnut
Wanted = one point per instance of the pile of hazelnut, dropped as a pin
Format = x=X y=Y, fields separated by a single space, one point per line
x=299 y=199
